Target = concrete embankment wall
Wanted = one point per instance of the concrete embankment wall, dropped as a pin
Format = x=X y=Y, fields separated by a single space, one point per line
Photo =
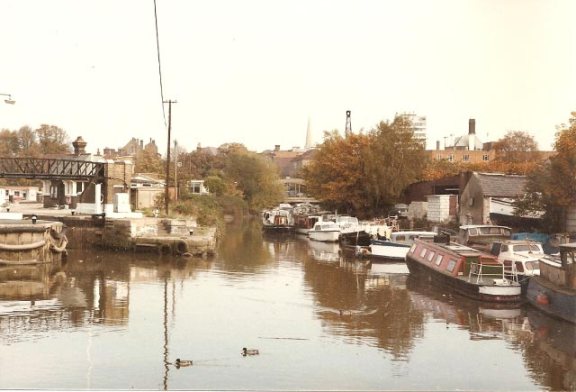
x=167 y=236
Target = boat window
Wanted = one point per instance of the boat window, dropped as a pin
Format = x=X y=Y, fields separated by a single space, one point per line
x=532 y=265
x=430 y=256
x=423 y=252
x=413 y=248
x=519 y=267
x=400 y=238
x=473 y=232
x=504 y=248
x=451 y=265
x=439 y=259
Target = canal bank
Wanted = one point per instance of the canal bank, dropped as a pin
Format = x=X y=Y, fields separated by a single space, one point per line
x=126 y=232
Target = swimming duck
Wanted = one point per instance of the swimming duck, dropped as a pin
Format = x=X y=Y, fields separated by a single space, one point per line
x=246 y=351
x=182 y=362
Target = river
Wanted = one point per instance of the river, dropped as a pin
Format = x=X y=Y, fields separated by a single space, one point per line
x=106 y=320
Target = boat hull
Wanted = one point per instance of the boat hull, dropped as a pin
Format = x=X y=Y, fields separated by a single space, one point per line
x=324 y=236
x=554 y=302
x=488 y=293
x=388 y=250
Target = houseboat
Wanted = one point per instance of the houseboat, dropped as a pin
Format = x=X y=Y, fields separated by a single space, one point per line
x=32 y=241
x=398 y=245
x=482 y=236
x=554 y=291
x=278 y=220
x=465 y=270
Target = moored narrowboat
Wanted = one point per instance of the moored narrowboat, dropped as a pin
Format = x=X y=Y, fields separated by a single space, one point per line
x=465 y=270
x=554 y=291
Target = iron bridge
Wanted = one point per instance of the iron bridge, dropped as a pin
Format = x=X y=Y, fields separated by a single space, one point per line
x=52 y=169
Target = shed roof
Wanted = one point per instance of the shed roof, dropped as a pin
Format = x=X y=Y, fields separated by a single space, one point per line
x=501 y=185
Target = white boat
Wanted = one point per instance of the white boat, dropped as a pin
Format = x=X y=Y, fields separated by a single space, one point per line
x=325 y=231
x=521 y=256
x=398 y=245
x=481 y=236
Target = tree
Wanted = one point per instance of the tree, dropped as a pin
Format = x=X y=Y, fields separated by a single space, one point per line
x=336 y=173
x=516 y=152
x=27 y=142
x=552 y=187
x=255 y=177
x=52 y=140
x=365 y=173
x=148 y=161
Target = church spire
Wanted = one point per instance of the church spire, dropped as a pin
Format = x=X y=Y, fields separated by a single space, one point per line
x=308 y=144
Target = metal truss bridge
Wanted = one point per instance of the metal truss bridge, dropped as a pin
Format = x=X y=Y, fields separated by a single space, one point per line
x=52 y=169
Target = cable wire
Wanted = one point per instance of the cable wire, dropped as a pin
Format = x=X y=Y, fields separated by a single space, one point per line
x=159 y=66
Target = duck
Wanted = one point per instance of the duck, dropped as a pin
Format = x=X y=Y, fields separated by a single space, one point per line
x=182 y=362
x=246 y=351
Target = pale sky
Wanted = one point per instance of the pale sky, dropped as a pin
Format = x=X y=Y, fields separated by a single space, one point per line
x=254 y=72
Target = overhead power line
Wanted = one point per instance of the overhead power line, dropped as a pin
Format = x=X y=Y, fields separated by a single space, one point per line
x=159 y=64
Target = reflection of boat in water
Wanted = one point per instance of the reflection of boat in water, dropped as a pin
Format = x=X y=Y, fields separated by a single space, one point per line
x=324 y=251
x=554 y=291
x=485 y=320
x=393 y=267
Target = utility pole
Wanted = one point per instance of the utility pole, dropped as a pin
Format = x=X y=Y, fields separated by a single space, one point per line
x=176 y=169
x=166 y=193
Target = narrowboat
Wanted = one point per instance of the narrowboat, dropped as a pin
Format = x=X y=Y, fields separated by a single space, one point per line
x=554 y=290
x=398 y=245
x=465 y=270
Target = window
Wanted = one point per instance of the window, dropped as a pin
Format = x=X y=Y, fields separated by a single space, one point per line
x=466 y=157
x=430 y=256
x=439 y=259
x=451 y=265
x=451 y=158
x=423 y=252
x=485 y=157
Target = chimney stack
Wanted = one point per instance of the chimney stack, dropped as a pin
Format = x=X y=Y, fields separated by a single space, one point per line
x=471 y=126
x=79 y=146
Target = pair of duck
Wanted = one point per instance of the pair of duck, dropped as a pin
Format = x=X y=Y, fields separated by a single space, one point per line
x=186 y=362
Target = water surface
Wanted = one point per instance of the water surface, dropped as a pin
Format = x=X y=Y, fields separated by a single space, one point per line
x=106 y=320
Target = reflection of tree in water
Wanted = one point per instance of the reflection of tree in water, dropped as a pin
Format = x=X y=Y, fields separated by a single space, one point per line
x=550 y=355
x=242 y=248
x=382 y=314
x=246 y=248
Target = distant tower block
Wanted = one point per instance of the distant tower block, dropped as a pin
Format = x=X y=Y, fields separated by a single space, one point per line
x=308 y=136
x=348 y=129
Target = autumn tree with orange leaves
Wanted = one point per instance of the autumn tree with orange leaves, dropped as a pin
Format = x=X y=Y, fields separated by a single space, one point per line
x=552 y=187
x=364 y=174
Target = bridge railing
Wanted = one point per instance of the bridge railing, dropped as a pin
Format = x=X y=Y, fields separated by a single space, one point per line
x=49 y=168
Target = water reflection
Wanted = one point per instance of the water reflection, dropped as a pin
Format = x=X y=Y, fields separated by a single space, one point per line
x=309 y=313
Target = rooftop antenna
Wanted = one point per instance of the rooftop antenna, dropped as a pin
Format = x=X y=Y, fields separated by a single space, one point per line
x=348 y=129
